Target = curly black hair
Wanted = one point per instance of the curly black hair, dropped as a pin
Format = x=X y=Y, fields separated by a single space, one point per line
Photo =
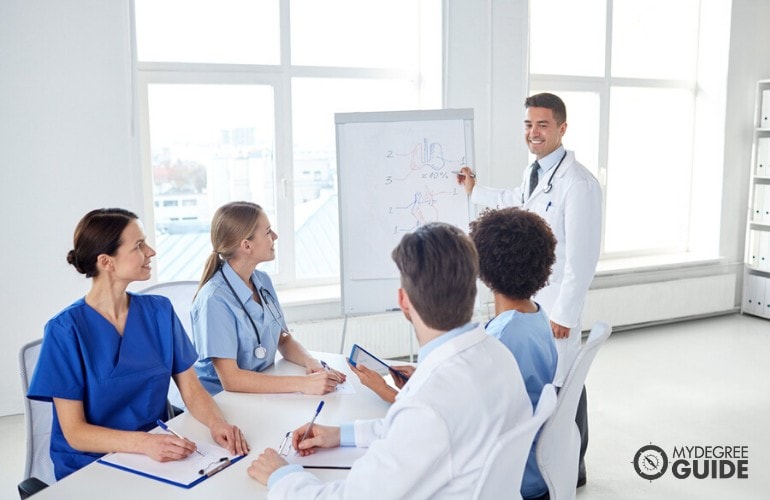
x=516 y=251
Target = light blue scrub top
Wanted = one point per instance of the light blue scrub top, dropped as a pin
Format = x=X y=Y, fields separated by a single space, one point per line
x=122 y=381
x=528 y=336
x=221 y=328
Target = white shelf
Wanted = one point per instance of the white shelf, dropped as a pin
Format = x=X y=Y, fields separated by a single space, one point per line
x=756 y=279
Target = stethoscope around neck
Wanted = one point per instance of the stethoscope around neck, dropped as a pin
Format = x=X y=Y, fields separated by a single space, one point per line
x=549 y=184
x=259 y=351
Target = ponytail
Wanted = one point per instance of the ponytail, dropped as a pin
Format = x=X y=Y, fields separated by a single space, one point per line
x=211 y=267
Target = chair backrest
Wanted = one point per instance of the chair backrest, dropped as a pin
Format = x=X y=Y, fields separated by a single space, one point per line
x=503 y=468
x=558 y=447
x=38 y=416
x=181 y=294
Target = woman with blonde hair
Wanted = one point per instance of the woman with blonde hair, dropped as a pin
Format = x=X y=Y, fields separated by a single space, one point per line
x=237 y=323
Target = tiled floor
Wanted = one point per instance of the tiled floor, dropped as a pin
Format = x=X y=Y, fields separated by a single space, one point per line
x=698 y=383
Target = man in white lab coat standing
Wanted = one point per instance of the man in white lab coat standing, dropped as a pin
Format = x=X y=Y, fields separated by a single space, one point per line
x=562 y=191
x=466 y=392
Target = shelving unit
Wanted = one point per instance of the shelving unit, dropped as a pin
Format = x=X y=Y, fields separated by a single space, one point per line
x=756 y=280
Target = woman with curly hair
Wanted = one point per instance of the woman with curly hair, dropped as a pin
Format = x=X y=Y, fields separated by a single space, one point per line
x=516 y=253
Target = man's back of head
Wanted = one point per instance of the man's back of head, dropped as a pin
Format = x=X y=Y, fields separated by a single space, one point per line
x=439 y=267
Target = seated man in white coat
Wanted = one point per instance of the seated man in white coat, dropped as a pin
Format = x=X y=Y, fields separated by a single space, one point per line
x=465 y=392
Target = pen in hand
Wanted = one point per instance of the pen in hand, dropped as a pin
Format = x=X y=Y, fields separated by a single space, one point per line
x=457 y=172
x=282 y=450
x=168 y=429
x=307 y=431
x=329 y=369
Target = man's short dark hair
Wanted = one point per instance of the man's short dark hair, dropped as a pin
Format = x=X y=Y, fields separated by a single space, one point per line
x=548 y=101
x=516 y=251
x=439 y=267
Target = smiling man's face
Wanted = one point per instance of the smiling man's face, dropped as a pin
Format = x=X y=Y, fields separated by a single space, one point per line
x=541 y=132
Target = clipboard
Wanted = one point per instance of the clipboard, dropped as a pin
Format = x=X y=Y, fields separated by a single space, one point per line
x=184 y=473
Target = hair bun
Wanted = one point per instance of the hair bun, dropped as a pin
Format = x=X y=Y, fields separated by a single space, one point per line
x=73 y=260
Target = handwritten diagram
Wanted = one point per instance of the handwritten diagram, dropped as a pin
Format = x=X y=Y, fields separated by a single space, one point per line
x=424 y=163
x=396 y=176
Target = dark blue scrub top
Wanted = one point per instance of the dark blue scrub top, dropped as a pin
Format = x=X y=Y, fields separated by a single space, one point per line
x=122 y=381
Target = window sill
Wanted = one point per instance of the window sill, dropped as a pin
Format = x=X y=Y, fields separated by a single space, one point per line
x=309 y=295
x=632 y=265
x=328 y=296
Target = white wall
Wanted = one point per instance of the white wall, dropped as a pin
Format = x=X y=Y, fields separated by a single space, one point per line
x=487 y=69
x=65 y=148
x=67 y=141
x=749 y=62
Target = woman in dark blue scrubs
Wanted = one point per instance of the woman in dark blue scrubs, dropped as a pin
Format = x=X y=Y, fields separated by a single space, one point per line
x=107 y=360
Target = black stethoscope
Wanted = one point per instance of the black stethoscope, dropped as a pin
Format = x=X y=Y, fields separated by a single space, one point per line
x=267 y=298
x=549 y=184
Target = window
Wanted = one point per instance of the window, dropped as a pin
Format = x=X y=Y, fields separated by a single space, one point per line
x=631 y=99
x=238 y=103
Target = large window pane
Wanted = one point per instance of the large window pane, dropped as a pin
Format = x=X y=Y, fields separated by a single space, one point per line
x=567 y=37
x=315 y=101
x=648 y=184
x=355 y=33
x=225 y=31
x=655 y=39
x=210 y=144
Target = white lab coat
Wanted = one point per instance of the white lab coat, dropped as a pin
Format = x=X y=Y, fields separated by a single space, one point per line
x=573 y=209
x=434 y=439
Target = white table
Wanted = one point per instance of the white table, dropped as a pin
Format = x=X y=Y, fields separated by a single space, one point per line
x=264 y=419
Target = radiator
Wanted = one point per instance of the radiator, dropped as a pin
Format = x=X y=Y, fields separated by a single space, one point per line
x=384 y=335
x=660 y=301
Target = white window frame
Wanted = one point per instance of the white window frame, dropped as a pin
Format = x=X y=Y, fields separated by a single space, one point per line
x=279 y=77
x=702 y=238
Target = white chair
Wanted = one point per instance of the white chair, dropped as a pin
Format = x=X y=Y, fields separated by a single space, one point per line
x=181 y=294
x=503 y=468
x=558 y=447
x=38 y=416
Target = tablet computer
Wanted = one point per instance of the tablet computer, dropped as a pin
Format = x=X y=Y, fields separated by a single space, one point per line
x=360 y=355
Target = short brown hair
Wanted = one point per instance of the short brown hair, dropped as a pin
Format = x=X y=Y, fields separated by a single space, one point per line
x=98 y=232
x=439 y=267
x=516 y=251
x=548 y=101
